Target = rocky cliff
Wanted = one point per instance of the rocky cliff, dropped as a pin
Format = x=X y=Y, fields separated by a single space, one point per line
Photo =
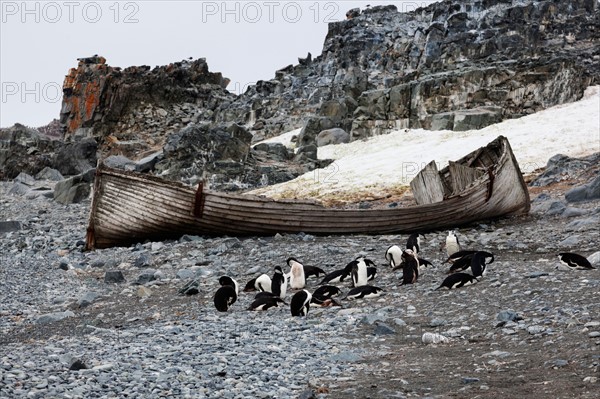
x=453 y=65
x=133 y=111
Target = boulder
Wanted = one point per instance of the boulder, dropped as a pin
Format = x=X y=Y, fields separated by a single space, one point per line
x=332 y=136
x=49 y=174
x=585 y=192
x=76 y=158
x=74 y=189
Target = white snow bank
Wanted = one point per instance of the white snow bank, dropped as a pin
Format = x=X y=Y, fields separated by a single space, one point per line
x=379 y=165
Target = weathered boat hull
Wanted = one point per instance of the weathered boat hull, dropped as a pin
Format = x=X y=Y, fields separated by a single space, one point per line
x=129 y=207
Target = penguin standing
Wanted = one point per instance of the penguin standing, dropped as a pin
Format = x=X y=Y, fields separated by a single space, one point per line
x=226 y=295
x=394 y=256
x=414 y=243
x=452 y=244
x=574 y=261
x=300 y=303
x=359 y=272
x=410 y=272
x=297 y=277
x=279 y=283
x=479 y=261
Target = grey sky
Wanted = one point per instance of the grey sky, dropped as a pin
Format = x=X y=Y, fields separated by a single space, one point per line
x=245 y=40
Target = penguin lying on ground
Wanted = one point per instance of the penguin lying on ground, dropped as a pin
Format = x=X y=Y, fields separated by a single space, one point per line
x=457 y=280
x=364 y=292
x=573 y=261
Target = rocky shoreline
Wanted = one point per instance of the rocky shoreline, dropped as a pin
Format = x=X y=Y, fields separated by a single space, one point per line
x=141 y=338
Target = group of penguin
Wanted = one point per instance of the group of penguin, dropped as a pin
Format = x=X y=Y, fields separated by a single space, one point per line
x=272 y=291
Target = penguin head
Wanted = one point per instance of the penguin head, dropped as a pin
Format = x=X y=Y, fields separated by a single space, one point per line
x=226 y=280
x=292 y=260
x=278 y=270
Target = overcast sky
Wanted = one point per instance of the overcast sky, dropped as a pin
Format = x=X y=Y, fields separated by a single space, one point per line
x=245 y=40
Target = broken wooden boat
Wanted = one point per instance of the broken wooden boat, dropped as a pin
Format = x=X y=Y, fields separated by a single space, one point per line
x=130 y=207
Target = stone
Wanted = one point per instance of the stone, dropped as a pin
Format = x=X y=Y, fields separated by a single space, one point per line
x=143 y=292
x=119 y=162
x=476 y=118
x=19 y=189
x=383 y=329
x=7 y=226
x=143 y=260
x=76 y=158
x=77 y=365
x=309 y=151
x=49 y=173
x=277 y=151
x=332 y=137
x=54 y=317
x=114 y=276
x=570 y=242
x=508 y=315
x=570 y=212
x=594 y=258
x=586 y=192
x=147 y=276
x=556 y=208
x=87 y=299
x=147 y=163
x=74 y=189
x=469 y=380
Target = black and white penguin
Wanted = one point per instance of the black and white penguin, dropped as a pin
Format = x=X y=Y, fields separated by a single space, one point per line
x=300 y=303
x=279 y=283
x=410 y=271
x=339 y=276
x=394 y=256
x=461 y=263
x=457 y=255
x=227 y=294
x=414 y=243
x=297 y=277
x=479 y=262
x=359 y=272
x=263 y=283
x=364 y=292
x=572 y=261
x=264 y=302
x=226 y=280
x=313 y=271
x=325 y=292
x=457 y=280
x=452 y=244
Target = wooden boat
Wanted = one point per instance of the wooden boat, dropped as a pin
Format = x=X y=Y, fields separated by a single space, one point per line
x=129 y=207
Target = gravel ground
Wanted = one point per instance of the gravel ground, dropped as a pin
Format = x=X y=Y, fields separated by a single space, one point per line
x=526 y=328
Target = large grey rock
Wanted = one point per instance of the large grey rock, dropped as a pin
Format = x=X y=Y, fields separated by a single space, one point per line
x=114 y=276
x=76 y=158
x=119 y=162
x=586 y=192
x=87 y=299
x=332 y=136
x=74 y=189
x=7 y=226
x=49 y=174
x=276 y=150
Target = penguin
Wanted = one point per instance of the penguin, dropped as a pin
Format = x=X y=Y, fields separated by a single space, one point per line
x=226 y=295
x=457 y=255
x=414 y=243
x=364 y=292
x=371 y=273
x=424 y=263
x=572 y=261
x=226 y=280
x=394 y=256
x=410 y=272
x=263 y=283
x=250 y=285
x=279 y=283
x=359 y=272
x=478 y=263
x=297 y=277
x=452 y=244
x=462 y=263
x=300 y=303
x=457 y=280
x=265 y=302
x=338 y=276
x=313 y=271
x=325 y=292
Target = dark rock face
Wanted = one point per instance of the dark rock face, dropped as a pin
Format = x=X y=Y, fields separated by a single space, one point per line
x=24 y=149
x=561 y=167
x=447 y=66
x=133 y=111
